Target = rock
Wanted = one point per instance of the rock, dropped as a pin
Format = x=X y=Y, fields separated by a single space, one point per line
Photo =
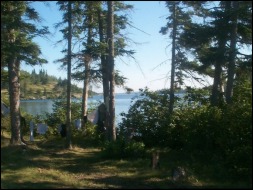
x=178 y=173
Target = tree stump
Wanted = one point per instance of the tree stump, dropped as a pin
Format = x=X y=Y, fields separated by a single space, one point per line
x=155 y=160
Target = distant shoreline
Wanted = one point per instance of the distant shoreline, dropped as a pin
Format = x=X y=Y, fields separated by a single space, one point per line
x=73 y=97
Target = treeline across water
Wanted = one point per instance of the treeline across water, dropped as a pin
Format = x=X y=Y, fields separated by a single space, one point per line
x=43 y=86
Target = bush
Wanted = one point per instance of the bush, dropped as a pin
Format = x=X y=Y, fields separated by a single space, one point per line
x=147 y=118
x=218 y=136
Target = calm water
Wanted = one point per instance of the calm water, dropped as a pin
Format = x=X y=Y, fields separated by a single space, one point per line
x=122 y=104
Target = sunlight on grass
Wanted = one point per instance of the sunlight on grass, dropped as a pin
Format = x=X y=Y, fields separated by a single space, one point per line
x=45 y=164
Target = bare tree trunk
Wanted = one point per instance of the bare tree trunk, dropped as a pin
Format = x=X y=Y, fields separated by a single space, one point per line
x=14 y=98
x=68 y=143
x=85 y=92
x=232 y=55
x=87 y=61
x=105 y=72
x=172 y=80
x=112 y=130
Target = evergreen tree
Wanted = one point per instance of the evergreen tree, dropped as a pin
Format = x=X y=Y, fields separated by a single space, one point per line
x=89 y=30
x=209 y=38
x=88 y=54
x=177 y=20
x=17 y=46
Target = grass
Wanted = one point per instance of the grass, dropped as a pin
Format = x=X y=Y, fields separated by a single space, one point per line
x=45 y=164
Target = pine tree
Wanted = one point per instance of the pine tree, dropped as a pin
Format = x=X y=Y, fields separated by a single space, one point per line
x=17 y=46
x=212 y=41
x=176 y=21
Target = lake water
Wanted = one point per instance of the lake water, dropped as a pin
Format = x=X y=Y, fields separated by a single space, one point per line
x=122 y=104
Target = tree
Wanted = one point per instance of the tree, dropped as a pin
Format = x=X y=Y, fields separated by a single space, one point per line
x=177 y=19
x=234 y=13
x=104 y=64
x=110 y=33
x=68 y=32
x=173 y=59
x=214 y=40
x=87 y=57
x=69 y=145
x=222 y=36
x=17 y=46
x=89 y=28
x=120 y=23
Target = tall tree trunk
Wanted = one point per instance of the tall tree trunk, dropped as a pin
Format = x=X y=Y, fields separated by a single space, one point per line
x=216 y=89
x=14 y=92
x=232 y=55
x=217 y=95
x=172 y=80
x=14 y=97
x=105 y=71
x=85 y=90
x=68 y=143
x=87 y=62
x=112 y=130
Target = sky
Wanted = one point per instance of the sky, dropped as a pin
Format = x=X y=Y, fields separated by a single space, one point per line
x=152 y=63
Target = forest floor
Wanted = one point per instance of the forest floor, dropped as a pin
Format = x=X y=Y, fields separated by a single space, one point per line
x=45 y=164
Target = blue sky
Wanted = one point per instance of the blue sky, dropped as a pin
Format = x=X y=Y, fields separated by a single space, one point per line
x=152 y=50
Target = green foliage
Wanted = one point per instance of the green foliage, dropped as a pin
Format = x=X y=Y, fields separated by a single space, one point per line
x=238 y=135
x=41 y=84
x=220 y=136
x=14 y=16
x=195 y=97
x=63 y=84
x=87 y=135
x=59 y=112
x=147 y=117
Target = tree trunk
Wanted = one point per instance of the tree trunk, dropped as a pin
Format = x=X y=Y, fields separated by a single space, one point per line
x=155 y=160
x=68 y=143
x=216 y=84
x=232 y=55
x=105 y=72
x=14 y=98
x=217 y=96
x=87 y=61
x=85 y=92
x=14 y=91
x=172 y=80
x=110 y=31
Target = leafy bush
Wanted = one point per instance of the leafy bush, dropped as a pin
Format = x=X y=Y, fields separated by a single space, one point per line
x=58 y=116
x=147 y=118
x=217 y=136
x=87 y=135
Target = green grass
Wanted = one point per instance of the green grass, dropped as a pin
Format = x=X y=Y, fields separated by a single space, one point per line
x=46 y=164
